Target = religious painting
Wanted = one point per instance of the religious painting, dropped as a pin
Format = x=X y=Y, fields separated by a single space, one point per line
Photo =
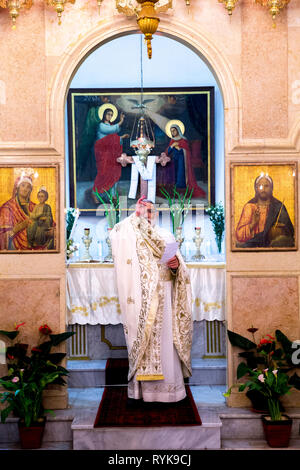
x=29 y=208
x=131 y=142
x=264 y=206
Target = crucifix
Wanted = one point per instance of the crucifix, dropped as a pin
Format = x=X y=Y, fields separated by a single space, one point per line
x=146 y=170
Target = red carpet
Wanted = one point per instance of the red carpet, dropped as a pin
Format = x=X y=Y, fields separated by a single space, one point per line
x=116 y=371
x=116 y=410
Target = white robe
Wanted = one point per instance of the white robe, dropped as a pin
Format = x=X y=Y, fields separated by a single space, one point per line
x=172 y=388
x=157 y=317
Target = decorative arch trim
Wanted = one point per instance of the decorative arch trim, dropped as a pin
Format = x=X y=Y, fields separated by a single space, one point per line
x=113 y=28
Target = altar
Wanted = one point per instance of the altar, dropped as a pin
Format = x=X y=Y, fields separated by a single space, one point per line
x=92 y=299
x=92 y=296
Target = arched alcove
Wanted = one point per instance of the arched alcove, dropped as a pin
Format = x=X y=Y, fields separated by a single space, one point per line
x=194 y=44
x=116 y=65
x=191 y=37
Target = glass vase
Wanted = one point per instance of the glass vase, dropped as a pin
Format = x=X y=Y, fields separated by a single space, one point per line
x=219 y=244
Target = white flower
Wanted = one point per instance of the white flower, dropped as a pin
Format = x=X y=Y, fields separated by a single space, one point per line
x=261 y=378
x=275 y=371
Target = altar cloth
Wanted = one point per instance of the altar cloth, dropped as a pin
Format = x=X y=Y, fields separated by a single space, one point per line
x=92 y=296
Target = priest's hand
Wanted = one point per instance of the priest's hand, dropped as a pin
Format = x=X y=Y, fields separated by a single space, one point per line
x=173 y=263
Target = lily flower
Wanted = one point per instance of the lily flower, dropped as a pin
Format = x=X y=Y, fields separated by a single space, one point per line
x=252 y=330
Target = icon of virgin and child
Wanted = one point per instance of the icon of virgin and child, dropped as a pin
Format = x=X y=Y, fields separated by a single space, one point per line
x=25 y=225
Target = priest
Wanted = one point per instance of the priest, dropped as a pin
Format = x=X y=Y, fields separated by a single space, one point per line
x=155 y=300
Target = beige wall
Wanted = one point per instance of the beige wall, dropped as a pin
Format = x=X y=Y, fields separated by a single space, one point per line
x=258 y=69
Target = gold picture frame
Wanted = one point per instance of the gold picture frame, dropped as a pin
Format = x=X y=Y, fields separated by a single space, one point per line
x=93 y=165
x=29 y=208
x=264 y=206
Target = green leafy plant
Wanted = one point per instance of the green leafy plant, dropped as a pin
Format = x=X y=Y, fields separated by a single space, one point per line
x=29 y=374
x=71 y=218
x=216 y=216
x=266 y=366
x=112 y=210
x=179 y=205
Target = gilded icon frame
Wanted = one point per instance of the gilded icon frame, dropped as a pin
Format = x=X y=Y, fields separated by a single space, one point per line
x=43 y=236
x=276 y=229
x=185 y=104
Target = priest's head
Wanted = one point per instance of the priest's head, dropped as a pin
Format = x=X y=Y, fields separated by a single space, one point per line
x=145 y=208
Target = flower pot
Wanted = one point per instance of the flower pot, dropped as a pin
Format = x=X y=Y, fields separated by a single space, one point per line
x=277 y=433
x=31 y=437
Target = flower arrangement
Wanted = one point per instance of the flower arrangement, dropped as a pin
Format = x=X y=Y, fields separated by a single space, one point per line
x=179 y=208
x=29 y=374
x=72 y=216
x=71 y=248
x=266 y=368
x=216 y=216
x=112 y=210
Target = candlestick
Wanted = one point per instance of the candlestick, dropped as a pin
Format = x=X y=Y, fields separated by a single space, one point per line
x=198 y=240
x=87 y=240
x=179 y=238
x=108 y=258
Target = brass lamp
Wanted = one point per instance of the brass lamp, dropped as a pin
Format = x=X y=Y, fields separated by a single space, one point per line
x=14 y=7
x=59 y=6
x=229 y=5
x=274 y=6
x=142 y=138
x=148 y=21
x=99 y=4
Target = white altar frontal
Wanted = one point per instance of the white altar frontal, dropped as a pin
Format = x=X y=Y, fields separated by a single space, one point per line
x=92 y=296
x=92 y=302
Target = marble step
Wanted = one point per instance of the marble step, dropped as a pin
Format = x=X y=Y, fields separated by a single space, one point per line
x=91 y=373
x=86 y=437
x=256 y=444
x=57 y=430
x=244 y=424
x=224 y=428
x=46 y=445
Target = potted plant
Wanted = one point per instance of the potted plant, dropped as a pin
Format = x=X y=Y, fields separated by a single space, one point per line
x=267 y=367
x=27 y=377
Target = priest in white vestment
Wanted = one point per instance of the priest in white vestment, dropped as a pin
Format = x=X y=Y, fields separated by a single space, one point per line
x=155 y=300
